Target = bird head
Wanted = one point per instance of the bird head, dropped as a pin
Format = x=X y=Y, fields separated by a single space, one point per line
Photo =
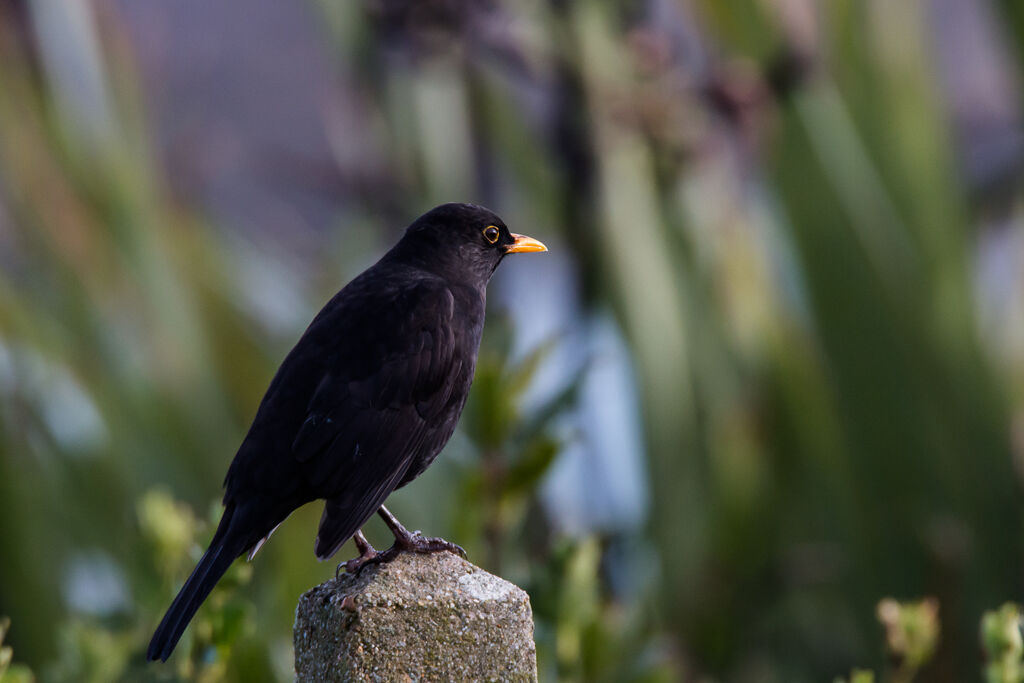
x=462 y=241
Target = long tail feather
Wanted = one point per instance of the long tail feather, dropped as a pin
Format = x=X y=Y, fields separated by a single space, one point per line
x=225 y=547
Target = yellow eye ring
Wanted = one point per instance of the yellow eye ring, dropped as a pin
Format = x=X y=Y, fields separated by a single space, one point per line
x=491 y=234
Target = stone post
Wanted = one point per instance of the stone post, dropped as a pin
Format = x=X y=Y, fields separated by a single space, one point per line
x=429 y=617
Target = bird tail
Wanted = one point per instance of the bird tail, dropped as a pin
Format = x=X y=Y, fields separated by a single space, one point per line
x=224 y=548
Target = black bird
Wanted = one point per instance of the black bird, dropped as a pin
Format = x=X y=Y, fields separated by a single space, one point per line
x=363 y=403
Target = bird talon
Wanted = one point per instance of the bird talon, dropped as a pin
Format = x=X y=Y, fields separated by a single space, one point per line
x=357 y=565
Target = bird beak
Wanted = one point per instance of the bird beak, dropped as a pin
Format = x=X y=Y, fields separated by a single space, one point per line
x=524 y=244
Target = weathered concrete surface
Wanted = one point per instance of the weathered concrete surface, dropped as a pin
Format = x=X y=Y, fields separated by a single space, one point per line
x=419 y=618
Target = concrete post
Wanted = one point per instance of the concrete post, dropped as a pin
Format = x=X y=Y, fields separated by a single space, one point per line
x=419 y=618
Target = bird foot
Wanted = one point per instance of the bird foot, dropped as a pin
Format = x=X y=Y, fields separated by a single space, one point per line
x=413 y=543
x=354 y=566
x=367 y=555
x=416 y=543
x=405 y=542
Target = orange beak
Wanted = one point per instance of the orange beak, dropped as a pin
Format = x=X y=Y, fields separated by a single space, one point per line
x=524 y=244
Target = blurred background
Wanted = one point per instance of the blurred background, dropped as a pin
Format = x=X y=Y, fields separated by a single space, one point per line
x=770 y=373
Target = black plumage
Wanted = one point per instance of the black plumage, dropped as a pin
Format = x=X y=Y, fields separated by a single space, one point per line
x=363 y=403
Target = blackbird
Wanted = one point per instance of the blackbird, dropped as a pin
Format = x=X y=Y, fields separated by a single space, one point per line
x=363 y=403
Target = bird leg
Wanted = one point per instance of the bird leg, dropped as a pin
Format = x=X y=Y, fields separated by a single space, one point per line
x=367 y=555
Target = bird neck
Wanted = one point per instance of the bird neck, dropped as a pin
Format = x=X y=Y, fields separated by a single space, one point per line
x=457 y=264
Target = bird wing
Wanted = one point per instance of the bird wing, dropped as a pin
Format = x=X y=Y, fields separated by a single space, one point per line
x=372 y=412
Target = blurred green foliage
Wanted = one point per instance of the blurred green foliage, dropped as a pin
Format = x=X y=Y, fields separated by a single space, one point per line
x=912 y=634
x=11 y=673
x=858 y=676
x=1004 y=646
x=781 y=227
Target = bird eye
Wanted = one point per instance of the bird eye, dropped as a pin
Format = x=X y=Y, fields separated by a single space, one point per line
x=491 y=234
